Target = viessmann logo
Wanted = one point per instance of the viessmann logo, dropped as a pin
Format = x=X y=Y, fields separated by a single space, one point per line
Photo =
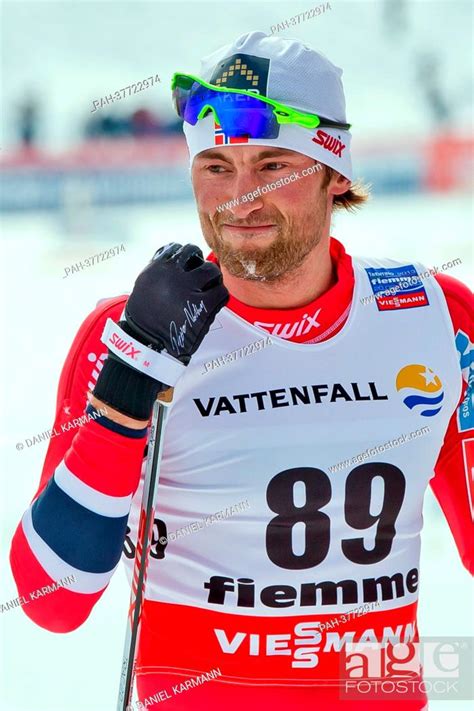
x=126 y=347
x=329 y=143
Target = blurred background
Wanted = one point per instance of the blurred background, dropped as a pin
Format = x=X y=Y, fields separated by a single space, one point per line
x=78 y=178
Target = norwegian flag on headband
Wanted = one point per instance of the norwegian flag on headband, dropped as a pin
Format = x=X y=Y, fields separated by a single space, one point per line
x=220 y=138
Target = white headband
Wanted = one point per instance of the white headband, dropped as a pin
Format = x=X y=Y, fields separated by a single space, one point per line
x=329 y=146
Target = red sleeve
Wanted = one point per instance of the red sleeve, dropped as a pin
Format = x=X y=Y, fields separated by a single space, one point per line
x=79 y=375
x=453 y=483
x=106 y=462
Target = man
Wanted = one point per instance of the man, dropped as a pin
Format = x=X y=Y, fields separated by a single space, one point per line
x=293 y=471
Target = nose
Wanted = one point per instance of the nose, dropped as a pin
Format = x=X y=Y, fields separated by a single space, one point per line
x=242 y=205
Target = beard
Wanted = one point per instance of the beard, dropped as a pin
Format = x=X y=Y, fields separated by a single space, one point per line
x=278 y=261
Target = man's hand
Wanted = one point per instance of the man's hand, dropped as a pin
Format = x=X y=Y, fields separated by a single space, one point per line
x=170 y=310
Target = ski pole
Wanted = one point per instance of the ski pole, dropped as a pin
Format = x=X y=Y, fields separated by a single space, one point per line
x=145 y=531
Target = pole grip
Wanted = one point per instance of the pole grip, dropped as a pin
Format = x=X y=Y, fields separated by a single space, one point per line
x=166 y=396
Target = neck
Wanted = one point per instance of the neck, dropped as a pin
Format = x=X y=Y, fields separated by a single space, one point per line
x=311 y=279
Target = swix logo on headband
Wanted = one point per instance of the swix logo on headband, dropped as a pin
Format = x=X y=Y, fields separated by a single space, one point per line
x=329 y=143
x=242 y=71
x=295 y=328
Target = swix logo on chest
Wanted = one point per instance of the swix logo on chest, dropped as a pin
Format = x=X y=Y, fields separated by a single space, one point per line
x=329 y=143
x=296 y=328
x=125 y=346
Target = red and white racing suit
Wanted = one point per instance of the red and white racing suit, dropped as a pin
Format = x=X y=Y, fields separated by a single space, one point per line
x=285 y=502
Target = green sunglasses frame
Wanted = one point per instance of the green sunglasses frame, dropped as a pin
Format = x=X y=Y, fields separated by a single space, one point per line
x=283 y=114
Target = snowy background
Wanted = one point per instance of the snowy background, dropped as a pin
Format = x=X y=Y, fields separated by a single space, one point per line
x=71 y=53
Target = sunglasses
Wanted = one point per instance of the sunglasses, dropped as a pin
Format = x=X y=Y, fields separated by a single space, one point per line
x=239 y=112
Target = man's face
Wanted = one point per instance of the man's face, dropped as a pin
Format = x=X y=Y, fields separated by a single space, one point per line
x=262 y=237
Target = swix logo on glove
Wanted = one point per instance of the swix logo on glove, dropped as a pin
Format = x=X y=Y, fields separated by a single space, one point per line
x=329 y=143
x=124 y=346
x=158 y=365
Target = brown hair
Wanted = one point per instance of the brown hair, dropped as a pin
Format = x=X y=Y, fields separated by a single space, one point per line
x=352 y=199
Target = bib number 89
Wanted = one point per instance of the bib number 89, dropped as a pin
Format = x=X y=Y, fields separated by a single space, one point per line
x=357 y=513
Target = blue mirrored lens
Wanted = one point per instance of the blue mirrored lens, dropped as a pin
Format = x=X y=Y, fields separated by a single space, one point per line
x=238 y=114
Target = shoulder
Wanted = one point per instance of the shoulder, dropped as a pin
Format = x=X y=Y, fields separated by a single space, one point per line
x=87 y=352
x=106 y=308
x=459 y=299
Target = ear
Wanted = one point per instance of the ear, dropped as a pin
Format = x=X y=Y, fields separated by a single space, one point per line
x=338 y=184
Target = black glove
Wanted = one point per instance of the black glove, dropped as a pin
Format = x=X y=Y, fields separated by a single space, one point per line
x=171 y=308
x=175 y=300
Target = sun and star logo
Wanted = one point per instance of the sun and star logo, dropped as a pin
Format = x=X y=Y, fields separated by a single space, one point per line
x=421 y=388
